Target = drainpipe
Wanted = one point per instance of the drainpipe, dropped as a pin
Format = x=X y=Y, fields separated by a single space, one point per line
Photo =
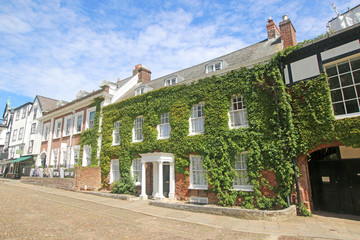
x=297 y=186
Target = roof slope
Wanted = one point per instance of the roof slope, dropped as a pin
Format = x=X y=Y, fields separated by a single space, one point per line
x=47 y=104
x=246 y=57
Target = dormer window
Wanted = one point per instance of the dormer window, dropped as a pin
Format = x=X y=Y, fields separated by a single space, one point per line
x=141 y=90
x=170 y=81
x=215 y=66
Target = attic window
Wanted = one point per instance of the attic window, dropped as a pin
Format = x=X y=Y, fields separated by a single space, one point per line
x=214 y=66
x=170 y=81
x=141 y=90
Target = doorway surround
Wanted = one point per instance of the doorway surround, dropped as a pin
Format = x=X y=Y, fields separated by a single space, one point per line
x=158 y=159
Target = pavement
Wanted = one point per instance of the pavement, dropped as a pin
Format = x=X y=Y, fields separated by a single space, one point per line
x=320 y=226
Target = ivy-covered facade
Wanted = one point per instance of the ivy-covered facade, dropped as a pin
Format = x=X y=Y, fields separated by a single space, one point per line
x=233 y=135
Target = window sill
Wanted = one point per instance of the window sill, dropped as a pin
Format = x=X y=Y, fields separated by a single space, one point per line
x=238 y=127
x=114 y=145
x=243 y=188
x=347 y=115
x=162 y=138
x=76 y=133
x=137 y=141
x=195 y=133
x=198 y=187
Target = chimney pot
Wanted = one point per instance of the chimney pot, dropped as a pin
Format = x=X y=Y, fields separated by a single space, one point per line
x=287 y=32
x=272 y=29
x=144 y=73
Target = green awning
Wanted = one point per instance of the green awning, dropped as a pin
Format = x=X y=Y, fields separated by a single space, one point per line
x=20 y=159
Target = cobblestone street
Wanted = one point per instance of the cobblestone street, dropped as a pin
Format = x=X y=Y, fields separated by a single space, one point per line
x=29 y=214
x=37 y=212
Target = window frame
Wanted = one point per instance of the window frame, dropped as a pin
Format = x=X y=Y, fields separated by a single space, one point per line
x=242 y=159
x=55 y=156
x=33 y=128
x=116 y=132
x=136 y=163
x=57 y=128
x=15 y=132
x=356 y=86
x=24 y=109
x=134 y=130
x=45 y=135
x=193 y=185
x=31 y=146
x=76 y=121
x=67 y=126
x=197 y=118
x=142 y=90
x=164 y=124
x=21 y=133
x=114 y=170
x=75 y=149
x=232 y=112
x=86 y=161
x=35 y=113
x=214 y=67
x=17 y=115
x=170 y=81
x=88 y=120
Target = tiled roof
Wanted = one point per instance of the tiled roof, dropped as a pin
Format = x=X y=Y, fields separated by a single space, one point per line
x=46 y=104
x=246 y=57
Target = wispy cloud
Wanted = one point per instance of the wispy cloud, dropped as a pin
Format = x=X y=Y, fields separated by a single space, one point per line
x=57 y=48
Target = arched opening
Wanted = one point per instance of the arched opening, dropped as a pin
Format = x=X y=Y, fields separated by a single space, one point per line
x=334 y=176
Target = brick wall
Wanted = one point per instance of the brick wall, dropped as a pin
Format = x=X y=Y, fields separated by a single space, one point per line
x=271 y=177
x=91 y=176
x=288 y=34
x=182 y=187
x=63 y=183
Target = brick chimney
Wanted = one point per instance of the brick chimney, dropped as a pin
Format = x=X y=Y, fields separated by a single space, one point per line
x=287 y=31
x=272 y=29
x=144 y=73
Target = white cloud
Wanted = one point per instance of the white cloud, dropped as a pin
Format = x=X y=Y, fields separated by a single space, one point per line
x=12 y=24
x=57 y=48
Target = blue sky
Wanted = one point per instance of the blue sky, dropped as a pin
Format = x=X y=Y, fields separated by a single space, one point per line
x=56 y=48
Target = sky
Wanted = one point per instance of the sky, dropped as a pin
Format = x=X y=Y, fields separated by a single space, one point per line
x=56 y=48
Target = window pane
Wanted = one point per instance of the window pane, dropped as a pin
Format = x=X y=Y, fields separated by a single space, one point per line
x=349 y=93
x=336 y=95
x=355 y=64
x=344 y=67
x=217 y=66
x=352 y=106
x=356 y=76
x=334 y=82
x=339 y=108
x=358 y=90
x=346 y=80
x=331 y=71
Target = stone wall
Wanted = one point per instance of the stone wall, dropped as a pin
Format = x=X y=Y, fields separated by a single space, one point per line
x=89 y=176
x=63 y=183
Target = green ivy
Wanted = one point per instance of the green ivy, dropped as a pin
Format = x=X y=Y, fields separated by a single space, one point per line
x=90 y=136
x=283 y=123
